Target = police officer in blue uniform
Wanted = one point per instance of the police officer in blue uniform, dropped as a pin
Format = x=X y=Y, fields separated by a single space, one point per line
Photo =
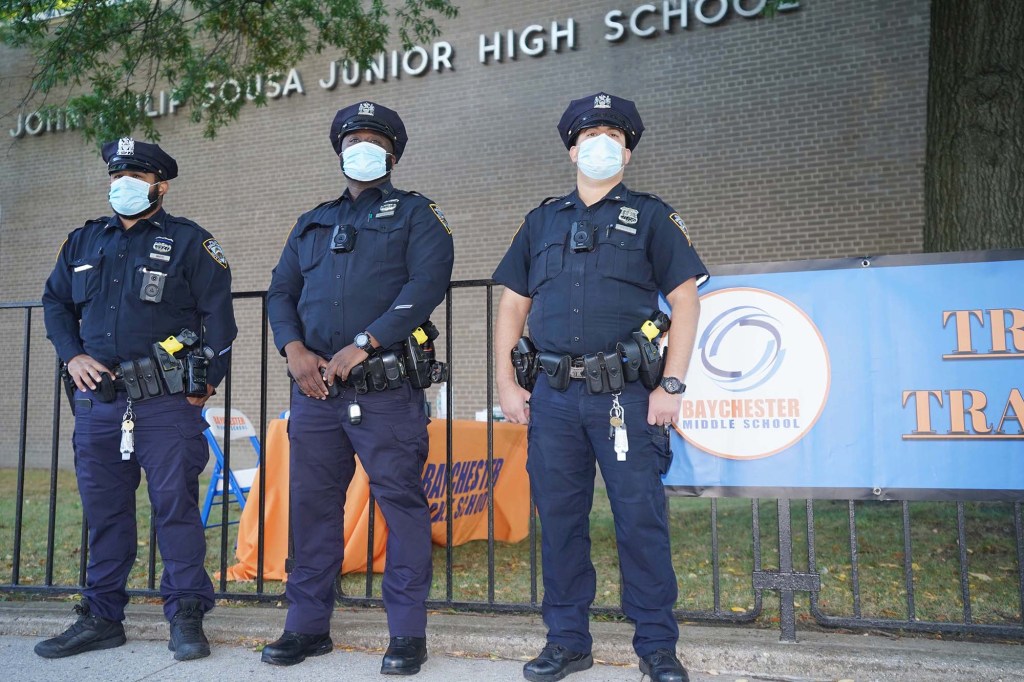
x=357 y=276
x=585 y=271
x=120 y=285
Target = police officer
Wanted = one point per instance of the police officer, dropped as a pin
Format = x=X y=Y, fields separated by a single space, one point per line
x=357 y=275
x=585 y=270
x=120 y=285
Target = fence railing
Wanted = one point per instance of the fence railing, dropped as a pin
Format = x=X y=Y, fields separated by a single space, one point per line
x=1003 y=619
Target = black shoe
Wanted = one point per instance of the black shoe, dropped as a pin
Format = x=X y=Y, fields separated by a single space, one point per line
x=663 y=666
x=88 y=633
x=404 y=656
x=293 y=647
x=188 y=641
x=555 y=662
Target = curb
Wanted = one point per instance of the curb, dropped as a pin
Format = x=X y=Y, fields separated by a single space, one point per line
x=712 y=650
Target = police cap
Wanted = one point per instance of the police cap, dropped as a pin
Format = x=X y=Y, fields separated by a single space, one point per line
x=129 y=154
x=369 y=116
x=601 y=109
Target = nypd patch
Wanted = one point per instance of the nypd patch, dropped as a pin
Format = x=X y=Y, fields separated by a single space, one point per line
x=440 y=217
x=678 y=220
x=216 y=252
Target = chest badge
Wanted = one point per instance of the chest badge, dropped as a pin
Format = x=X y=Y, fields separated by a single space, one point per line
x=387 y=209
x=161 y=249
x=629 y=216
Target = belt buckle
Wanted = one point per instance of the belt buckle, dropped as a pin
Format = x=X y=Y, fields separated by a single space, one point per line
x=577 y=372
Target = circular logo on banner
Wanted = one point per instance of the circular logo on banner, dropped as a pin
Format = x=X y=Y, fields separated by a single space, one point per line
x=759 y=376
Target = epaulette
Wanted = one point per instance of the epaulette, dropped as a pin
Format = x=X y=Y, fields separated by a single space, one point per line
x=549 y=200
x=649 y=195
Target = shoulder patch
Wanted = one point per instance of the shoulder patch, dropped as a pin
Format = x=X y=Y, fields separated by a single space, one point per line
x=516 y=233
x=213 y=248
x=440 y=216
x=677 y=220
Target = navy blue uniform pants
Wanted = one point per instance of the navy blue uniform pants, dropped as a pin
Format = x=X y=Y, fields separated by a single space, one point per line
x=170 y=447
x=568 y=434
x=391 y=441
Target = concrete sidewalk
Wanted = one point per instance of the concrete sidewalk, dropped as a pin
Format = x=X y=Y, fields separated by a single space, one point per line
x=458 y=642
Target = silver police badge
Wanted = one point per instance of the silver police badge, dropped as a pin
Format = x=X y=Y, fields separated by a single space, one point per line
x=628 y=216
x=216 y=252
x=603 y=101
x=387 y=209
x=126 y=147
x=366 y=109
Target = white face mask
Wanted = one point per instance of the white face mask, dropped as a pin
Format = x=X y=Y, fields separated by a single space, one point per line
x=364 y=161
x=599 y=157
x=129 y=196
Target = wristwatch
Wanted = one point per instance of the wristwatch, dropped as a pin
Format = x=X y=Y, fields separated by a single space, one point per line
x=673 y=386
x=364 y=343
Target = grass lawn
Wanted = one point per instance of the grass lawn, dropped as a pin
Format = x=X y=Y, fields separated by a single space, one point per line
x=993 y=571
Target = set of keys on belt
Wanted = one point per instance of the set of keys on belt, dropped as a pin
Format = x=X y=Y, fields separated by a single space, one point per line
x=617 y=429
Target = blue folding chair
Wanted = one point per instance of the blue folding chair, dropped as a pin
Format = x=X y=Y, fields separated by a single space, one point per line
x=239 y=480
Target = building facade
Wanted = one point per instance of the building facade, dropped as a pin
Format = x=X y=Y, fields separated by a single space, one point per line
x=797 y=137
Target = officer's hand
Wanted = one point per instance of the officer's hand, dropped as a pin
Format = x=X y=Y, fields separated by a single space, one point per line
x=515 y=403
x=200 y=400
x=305 y=368
x=663 y=408
x=86 y=371
x=343 y=362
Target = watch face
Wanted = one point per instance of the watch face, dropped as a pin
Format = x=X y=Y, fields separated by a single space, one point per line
x=671 y=385
x=362 y=340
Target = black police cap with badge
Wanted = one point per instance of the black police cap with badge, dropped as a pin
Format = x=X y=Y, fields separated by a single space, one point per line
x=369 y=116
x=601 y=109
x=130 y=154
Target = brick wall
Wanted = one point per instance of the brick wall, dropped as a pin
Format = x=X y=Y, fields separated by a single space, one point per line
x=798 y=137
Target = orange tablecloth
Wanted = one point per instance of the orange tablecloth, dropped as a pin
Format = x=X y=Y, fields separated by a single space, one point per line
x=469 y=469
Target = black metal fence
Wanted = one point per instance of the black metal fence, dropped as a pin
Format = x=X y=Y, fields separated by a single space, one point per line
x=789 y=578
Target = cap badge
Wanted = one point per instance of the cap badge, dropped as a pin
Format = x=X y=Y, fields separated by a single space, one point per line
x=366 y=109
x=126 y=147
x=603 y=102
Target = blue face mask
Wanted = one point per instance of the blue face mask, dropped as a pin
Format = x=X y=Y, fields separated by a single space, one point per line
x=364 y=161
x=129 y=196
x=599 y=157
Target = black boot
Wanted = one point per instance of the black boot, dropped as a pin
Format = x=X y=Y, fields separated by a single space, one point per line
x=188 y=641
x=404 y=656
x=555 y=662
x=88 y=633
x=293 y=647
x=663 y=666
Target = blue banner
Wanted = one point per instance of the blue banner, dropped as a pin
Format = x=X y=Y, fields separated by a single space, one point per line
x=888 y=378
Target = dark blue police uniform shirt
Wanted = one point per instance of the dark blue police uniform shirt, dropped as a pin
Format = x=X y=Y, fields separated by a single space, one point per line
x=585 y=302
x=396 y=274
x=99 y=275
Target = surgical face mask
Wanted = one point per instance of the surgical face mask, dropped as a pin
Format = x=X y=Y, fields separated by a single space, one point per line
x=599 y=157
x=130 y=196
x=364 y=161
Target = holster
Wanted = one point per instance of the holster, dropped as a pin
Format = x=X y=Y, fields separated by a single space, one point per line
x=629 y=353
x=420 y=364
x=651 y=361
x=524 y=360
x=69 y=386
x=556 y=366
